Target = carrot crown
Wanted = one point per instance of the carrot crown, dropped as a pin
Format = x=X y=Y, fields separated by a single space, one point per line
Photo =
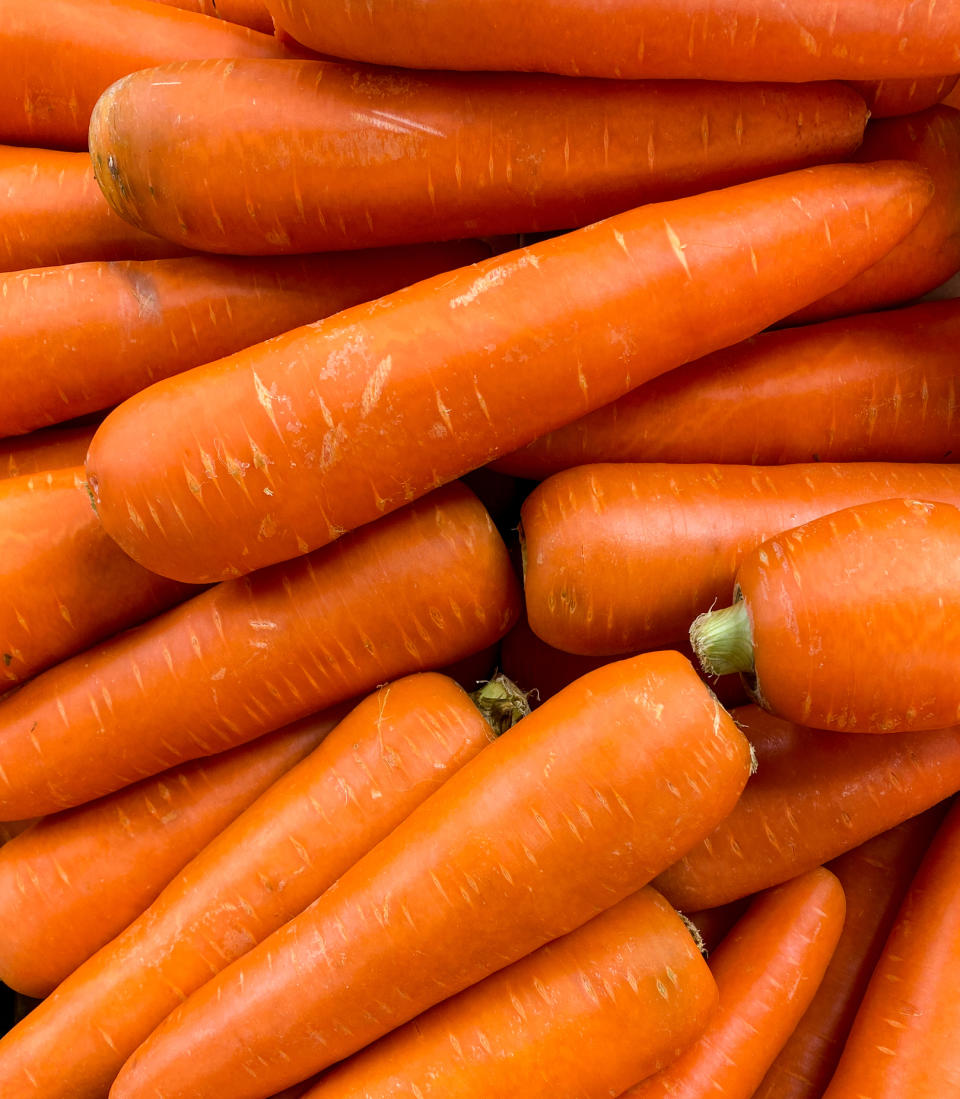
x=723 y=640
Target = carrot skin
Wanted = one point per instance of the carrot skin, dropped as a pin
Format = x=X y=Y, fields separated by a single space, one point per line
x=43 y=451
x=248 y=13
x=814 y=796
x=76 y=879
x=377 y=414
x=247 y=657
x=767 y=970
x=564 y=152
x=908 y=95
x=564 y=816
x=542 y=1027
x=623 y=557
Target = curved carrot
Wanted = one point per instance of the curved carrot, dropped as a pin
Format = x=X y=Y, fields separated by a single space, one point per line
x=64 y=585
x=384 y=758
x=82 y=337
x=248 y=13
x=618 y=556
x=585 y=1015
x=427 y=585
x=560 y=819
x=443 y=155
x=56 y=57
x=76 y=879
x=46 y=450
x=698 y=39
x=281 y=448
x=767 y=970
x=875 y=387
x=814 y=796
x=908 y=95
x=875 y=876
x=819 y=609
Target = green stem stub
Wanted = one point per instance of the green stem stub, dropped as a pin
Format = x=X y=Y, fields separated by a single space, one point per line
x=723 y=640
x=501 y=702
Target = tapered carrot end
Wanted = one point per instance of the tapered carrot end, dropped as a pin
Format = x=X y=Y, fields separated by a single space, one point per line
x=723 y=640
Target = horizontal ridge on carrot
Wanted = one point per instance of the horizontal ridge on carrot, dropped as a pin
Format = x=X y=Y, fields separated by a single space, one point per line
x=274 y=451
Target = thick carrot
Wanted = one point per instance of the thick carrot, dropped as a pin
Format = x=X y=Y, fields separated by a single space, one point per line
x=875 y=876
x=698 y=39
x=265 y=454
x=248 y=13
x=582 y=1017
x=907 y=95
x=388 y=755
x=82 y=337
x=46 y=450
x=815 y=795
x=618 y=556
x=819 y=610
x=56 y=57
x=443 y=155
x=52 y=212
x=428 y=585
x=555 y=822
x=767 y=970
x=76 y=879
x=875 y=387
x=903 y=1040
x=64 y=585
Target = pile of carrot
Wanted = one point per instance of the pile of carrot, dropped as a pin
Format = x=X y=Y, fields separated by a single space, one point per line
x=479 y=540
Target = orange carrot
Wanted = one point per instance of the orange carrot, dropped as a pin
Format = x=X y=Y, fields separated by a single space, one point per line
x=429 y=584
x=908 y=95
x=767 y=970
x=265 y=454
x=43 y=451
x=555 y=822
x=248 y=13
x=76 y=879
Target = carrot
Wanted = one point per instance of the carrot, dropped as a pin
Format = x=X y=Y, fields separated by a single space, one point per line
x=815 y=795
x=52 y=212
x=618 y=556
x=875 y=877
x=699 y=39
x=819 y=609
x=59 y=55
x=874 y=387
x=903 y=1040
x=583 y=1016
x=767 y=971
x=930 y=254
x=383 y=401
x=555 y=822
x=387 y=756
x=565 y=153
x=248 y=13
x=82 y=337
x=713 y=924
x=11 y=828
x=429 y=584
x=908 y=95
x=76 y=879
x=64 y=585
x=46 y=450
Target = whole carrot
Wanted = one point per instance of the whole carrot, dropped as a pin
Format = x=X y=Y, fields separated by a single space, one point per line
x=268 y=453
x=64 y=585
x=814 y=796
x=429 y=584
x=618 y=556
x=384 y=758
x=819 y=609
x=767 y=970
x=443 y=155
x=566 y=815
x=907 y=95
x=82 y=337
x=76 y=879
x=874 y=387
x=580 y=1018
x=248 y=13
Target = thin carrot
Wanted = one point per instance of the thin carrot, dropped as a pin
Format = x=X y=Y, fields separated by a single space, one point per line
x=384 y=758
x=815 y=795
x=46 y=450
x=429 y=584
x=82 y=337
x=767 y=970
x=64 y=585
x=618 y=556
x=76 y=879
x=555 y=822
x=874 y=387
x=819 y=610
x=443 y=155
x=248 y=13
x=265 y=454
x=908 y=95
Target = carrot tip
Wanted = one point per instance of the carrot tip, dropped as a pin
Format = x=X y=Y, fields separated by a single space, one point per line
x=722 y=640
x=501 y=702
